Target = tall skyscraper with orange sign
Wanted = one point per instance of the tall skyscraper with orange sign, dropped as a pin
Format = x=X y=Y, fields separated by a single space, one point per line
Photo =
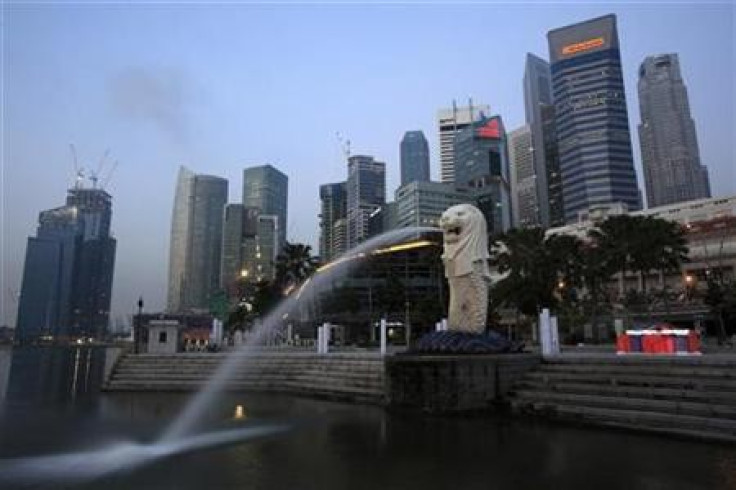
x=593 y=135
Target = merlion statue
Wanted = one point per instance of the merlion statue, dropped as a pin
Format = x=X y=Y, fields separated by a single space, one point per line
x=466 y=267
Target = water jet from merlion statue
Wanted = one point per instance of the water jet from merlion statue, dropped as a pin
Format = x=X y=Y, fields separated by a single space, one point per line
x=465 y=256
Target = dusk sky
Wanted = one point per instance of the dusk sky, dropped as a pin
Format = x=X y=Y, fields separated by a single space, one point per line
x=221 y=87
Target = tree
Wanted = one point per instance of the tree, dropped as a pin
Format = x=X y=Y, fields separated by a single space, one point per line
x=639 y=244
x=535 y=265
x=721 y=297
x=658 y=245
x=294 y=265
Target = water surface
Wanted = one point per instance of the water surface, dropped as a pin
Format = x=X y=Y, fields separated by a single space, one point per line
x=46 y=410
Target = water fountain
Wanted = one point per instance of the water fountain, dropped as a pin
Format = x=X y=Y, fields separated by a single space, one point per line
x=178 y=437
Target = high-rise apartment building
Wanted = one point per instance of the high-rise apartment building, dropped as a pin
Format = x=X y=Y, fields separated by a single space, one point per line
x=539 y=111
x=196 y=241
x=67 y=277
x=414 y=157
x=266 y=188
x=449 y=123
x=482 y=168
x=669 y=145
x=366 y=192
x=334 y=202
x=524 y=185
x=592 y=125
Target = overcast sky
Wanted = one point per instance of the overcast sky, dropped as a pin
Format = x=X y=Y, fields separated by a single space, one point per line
x=219 y=88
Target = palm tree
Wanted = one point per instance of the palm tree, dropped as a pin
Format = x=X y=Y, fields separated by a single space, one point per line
x=294 y=264
x=612 y=240
x=535 y=265
x=658 y=245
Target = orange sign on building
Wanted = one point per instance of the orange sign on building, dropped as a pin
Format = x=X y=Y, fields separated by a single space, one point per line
x=583 y=46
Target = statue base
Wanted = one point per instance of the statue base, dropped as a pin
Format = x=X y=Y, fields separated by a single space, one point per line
x=454 y=342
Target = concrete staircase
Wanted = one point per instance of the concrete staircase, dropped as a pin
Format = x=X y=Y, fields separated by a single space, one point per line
x=352 y=377
x=693 y=397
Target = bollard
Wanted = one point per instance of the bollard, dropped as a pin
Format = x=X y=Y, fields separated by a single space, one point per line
x=438 y=327
x=326 y=338
x=319 y=339
x=545 y=332
x=554 y=336
x=444 y=324
x=383 y=336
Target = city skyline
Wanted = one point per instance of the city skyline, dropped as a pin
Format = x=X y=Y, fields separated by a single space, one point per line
x=157 y=139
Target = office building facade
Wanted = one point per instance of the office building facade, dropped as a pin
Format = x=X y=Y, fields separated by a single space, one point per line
x=333 y=207
x=449 y=123
x=422 y=203
x=260 y=248
x=366 y=192
x=482 y=168
x=524 y=185
x=196 y=241
x=414 y=157
x=669 y=145
x=68 y=271
x=539 y=113
x=266 y=188
x=594 y=142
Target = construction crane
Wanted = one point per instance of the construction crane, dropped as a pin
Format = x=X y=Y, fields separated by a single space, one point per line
x=95 y=176
x=98 y=177
x=106 y=179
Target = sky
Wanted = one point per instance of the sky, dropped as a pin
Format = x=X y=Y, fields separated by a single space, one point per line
x=220 y=87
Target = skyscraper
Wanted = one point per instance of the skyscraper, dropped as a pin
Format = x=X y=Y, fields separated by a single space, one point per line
x=260 y=247
x=449 y=123
x=414 y=157
x=67 y=277
x=539 y=110
x=422 y=203
x=482 y=168
x=266 y=188
x=524 y=185
x=334 y=202
x=592 y=125
x=234 y=230
x=366 y=192
x=669 y=145
x=196 y=241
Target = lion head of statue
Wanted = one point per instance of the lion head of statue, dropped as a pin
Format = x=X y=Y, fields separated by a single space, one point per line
x=465 y=239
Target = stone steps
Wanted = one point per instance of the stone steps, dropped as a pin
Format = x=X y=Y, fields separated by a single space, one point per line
x=688 y=397
x=345 y=377
x=659 y=370
x=673 y=406
x=725 y=397
x=634 y=379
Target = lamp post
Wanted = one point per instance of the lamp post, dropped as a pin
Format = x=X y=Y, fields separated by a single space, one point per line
x=137 y=327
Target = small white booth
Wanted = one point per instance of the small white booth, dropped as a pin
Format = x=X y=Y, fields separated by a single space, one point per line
x=163 y=336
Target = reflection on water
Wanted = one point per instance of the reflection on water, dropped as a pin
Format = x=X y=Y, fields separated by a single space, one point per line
x=52 y=375
x=331 y=445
